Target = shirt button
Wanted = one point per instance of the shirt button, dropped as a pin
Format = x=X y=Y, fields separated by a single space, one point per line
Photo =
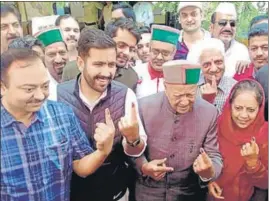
x=172 y=155
x=174 y=139
x=176 y=121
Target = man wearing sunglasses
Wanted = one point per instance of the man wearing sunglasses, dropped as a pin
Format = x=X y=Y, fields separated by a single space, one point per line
x=223 y=26
x=162 y=49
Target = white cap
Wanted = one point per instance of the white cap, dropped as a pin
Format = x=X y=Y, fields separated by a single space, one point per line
x=226 y=8
x=184 y=4
x=202 y=45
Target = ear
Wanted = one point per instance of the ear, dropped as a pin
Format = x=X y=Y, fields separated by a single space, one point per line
x=80 y=63
x=3 y=88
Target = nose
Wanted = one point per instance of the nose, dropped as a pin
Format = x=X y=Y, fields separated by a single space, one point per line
x=145 y=49
x=39 y=94
x=189 y=18
x=126 y=51
x=184 y=101
x=72 y=33
x=244 y=114
x=213 y=67
x=58 y=58
x=259 y=51
x=11 y=30
x=159 y=56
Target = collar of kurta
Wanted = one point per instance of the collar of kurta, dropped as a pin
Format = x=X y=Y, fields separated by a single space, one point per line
x=153 y=73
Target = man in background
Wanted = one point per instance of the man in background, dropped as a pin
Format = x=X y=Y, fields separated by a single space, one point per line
x=190 y=15
x=223 y=27
x=10 y=26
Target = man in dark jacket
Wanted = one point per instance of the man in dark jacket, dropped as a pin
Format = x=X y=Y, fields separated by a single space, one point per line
x=89 y=95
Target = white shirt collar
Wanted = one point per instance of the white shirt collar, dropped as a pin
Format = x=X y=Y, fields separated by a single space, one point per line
x=88 y=104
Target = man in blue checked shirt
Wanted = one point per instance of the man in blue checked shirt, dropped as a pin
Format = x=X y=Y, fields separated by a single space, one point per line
x=41 y=140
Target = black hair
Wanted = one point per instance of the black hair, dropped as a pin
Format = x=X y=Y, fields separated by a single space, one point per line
x=258 y=30
x=15 y=54
x=62 y=17
x=6 y=9
x=144 y=29
x=26 y=42
x=93 y=38
x=122 y=23
x=127 y=10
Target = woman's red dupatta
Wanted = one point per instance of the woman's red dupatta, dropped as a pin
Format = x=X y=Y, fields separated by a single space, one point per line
x=231 y=138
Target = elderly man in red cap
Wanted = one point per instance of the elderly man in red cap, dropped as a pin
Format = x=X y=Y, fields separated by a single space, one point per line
x=181 y=157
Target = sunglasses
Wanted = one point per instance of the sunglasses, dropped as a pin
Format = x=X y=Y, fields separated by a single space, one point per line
x=223 y=23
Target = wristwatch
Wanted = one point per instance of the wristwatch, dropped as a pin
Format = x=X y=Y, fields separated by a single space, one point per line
x=135 y=143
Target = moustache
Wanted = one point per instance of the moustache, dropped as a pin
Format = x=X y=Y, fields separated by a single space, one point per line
x=36 y=101
x=227 y=31
x=109 y=78
x=59 y=64
x=12 y=37
x=122 y=56
x=72 y=38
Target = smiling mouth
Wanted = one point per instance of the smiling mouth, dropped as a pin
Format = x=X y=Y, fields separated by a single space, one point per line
x=243 y=122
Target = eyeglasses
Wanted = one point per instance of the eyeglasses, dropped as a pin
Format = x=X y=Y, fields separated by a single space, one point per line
x=164 y=53
x=223 y=23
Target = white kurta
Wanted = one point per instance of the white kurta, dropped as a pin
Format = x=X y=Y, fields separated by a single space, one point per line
x=52 y=88
x=237 y=52
x=147 y=86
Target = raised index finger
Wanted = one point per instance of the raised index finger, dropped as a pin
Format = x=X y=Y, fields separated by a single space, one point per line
x=133 y=113
x=108 y=118
x=204 y=155
x=214 y=82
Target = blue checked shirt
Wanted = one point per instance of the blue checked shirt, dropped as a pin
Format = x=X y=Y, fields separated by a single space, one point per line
x=36 y=162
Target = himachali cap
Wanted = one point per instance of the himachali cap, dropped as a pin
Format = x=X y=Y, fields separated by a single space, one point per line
x=227 y=9
x=50 y=36
x=181 y=72
x=165 y=34
x=184 y=4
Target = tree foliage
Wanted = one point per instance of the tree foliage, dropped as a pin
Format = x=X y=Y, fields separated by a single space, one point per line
x=245 y=12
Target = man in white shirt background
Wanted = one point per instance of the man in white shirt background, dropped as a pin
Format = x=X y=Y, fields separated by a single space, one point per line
x=223 y=26
x=190 y=15
x=142 y=47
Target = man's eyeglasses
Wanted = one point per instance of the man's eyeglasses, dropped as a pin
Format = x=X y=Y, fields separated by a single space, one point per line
x=164 y=53
x=223 y=23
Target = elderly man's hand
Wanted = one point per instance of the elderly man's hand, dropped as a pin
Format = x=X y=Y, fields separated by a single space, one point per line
x=209 y=91
x=203 y=166
x=156 y=169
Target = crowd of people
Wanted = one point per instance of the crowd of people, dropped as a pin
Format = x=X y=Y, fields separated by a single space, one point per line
x=135 y=113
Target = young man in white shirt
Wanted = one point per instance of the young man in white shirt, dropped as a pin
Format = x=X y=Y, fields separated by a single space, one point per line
x=93 y=90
